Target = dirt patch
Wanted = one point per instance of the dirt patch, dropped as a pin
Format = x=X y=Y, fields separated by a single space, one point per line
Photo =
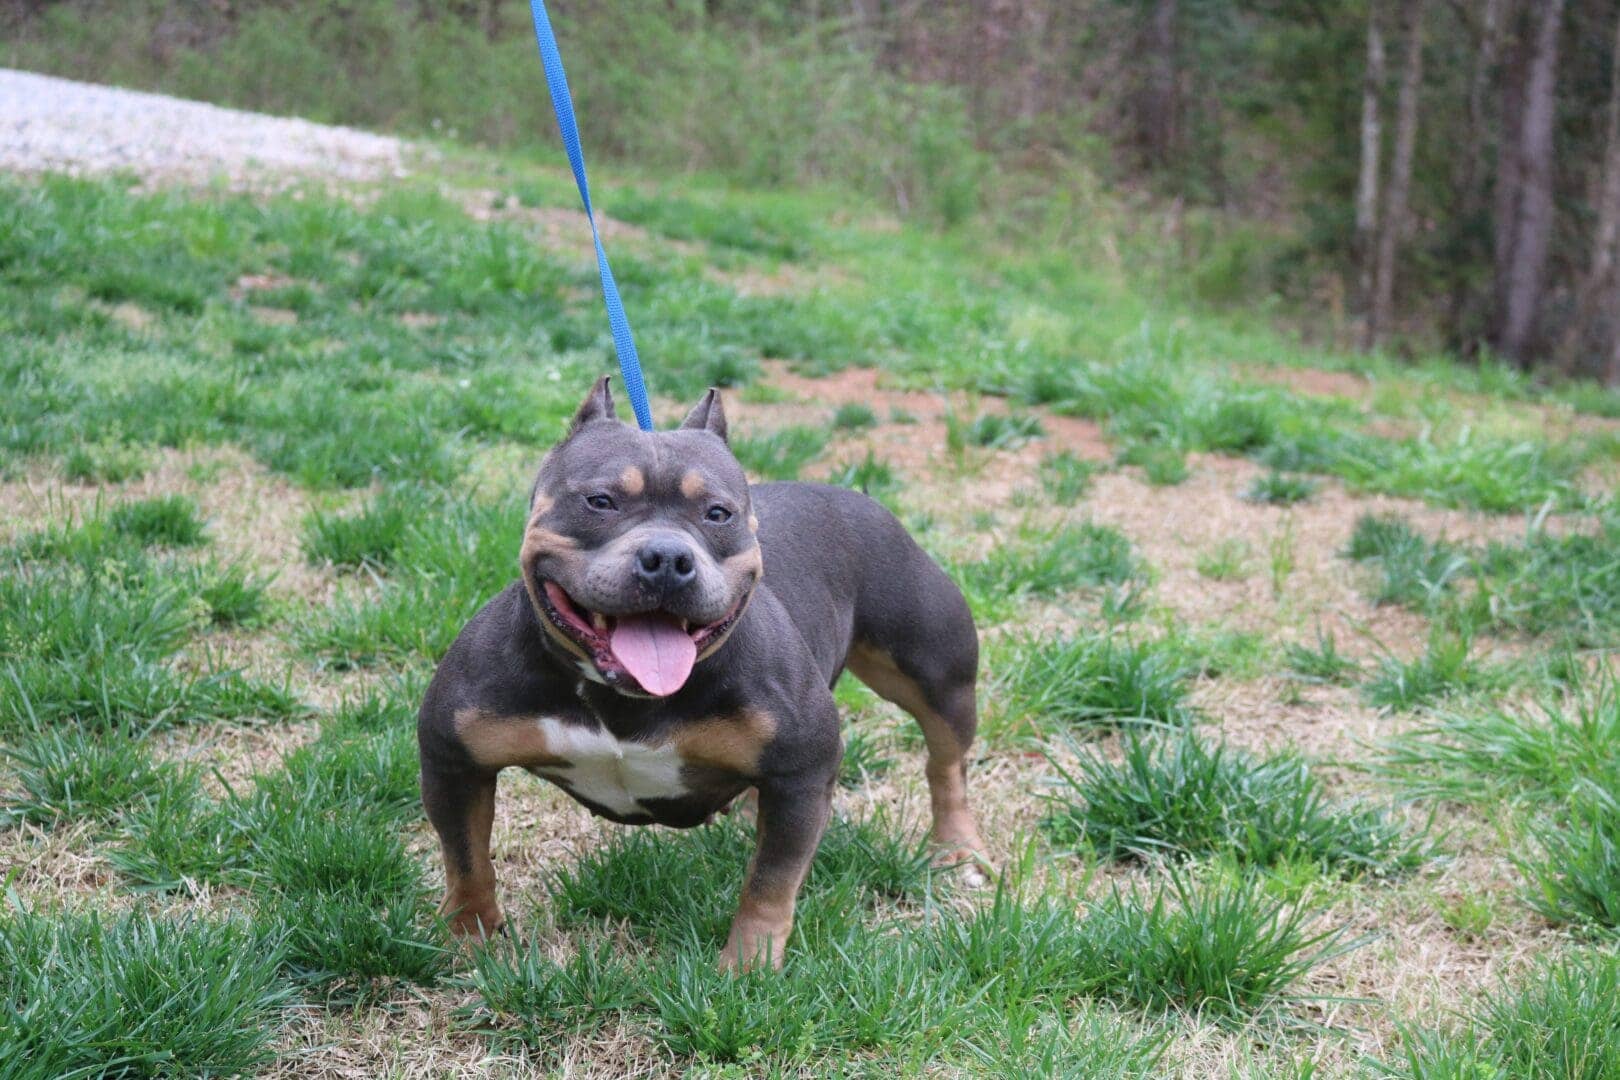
x=1312 y=381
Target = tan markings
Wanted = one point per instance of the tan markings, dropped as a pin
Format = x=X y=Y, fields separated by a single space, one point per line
x=469 y=899
x=760 y=931
x=542 y=505
x=744 y=564
x=633 y=480
x=714 y=646
x=538 y=542
x=733 y=743
x=753 y=523
x=954 y=826
x=692 y=485
x=545 y=620
x=496 y=741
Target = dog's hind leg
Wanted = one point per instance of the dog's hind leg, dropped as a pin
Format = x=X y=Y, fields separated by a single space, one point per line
x=940 y=696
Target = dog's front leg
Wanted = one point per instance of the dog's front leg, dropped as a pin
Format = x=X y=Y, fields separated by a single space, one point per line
x=461 y=805
x=792 y=816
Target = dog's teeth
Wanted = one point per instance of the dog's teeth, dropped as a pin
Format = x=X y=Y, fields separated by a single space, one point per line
x=684 y=626
x=599 y=620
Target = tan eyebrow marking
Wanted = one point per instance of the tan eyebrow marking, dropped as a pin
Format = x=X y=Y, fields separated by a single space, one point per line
x=692 y=485
x=633 y=480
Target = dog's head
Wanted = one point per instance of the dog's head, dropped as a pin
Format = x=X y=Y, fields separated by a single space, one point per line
x=640 y=554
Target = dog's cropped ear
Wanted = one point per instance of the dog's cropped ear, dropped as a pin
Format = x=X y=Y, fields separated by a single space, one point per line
x=598 y=405
x=708 y=415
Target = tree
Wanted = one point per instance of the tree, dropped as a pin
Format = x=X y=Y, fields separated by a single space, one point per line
x=1392 y=222
x=1372 y=139
x=1600 y=285
x=1159 y=107
x=1524 y=200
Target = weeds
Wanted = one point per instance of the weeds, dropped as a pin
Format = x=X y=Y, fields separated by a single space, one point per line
x=780 y=455
x=1102 y=679
x=1281 y=489
x=1540 y=754
x=136 y=994
x=1446 y=668
x=1227 y=561
x=1065 y=478
x=1178 y=796
x=1561 y=1019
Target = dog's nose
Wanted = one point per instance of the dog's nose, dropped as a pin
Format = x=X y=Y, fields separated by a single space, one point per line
x=665 y=565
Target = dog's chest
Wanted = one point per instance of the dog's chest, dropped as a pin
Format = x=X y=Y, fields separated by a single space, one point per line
x=619 y=775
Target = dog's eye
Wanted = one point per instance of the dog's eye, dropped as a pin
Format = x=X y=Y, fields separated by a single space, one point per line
x=718 y=514
x=599 y=502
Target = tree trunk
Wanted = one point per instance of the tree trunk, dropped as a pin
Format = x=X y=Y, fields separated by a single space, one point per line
x=1160 y=104
x=1392 y=222
x=1372 y=138
x=1597 y=288
x=1522 y=260
x=1471 y=174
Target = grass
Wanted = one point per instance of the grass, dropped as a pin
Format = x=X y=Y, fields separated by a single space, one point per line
x=1178 y=796
x=1323 y=663
x=136 y=994
x=371 y=537
x=1564 y=586
x=65 y=774
x=1561 y=1019
x=1574 y=871
x=1084 y=682
x=1065 y=478
x=854 y=416
x=1447 y=667
x=170 y=521
x=1066 y=559
x=1539 y=753
x=1281 y=489
x=780 y=455
x=434 y=356
x=1226 y=561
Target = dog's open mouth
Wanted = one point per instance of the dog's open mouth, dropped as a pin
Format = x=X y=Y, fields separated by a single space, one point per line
x=654 y=648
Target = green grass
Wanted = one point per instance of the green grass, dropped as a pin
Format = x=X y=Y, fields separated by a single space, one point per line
x=1447 y=667
x=1180 y=796
x=1281 y=489
x=1537 y=753
x=1162 y=466
x=1226 y=561
x=1101 y=679
x=65 y=774
x=1065 y=478
x=1321 y=663
x=374 y=535
x=779 y=455
x=868 y=475
x=169 y=520
x=854 y=416
x=1561 y=1019
x=1563 y=586
x=1067 y=559
x=1574 y=868
x=444 y=565
x=135 y=994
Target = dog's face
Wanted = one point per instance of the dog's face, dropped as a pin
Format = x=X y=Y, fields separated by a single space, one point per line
x=640 y=554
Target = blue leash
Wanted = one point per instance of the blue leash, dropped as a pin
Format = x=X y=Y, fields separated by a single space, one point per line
x=563 y=103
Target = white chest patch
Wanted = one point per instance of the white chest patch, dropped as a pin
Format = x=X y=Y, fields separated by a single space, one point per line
x=609 y=772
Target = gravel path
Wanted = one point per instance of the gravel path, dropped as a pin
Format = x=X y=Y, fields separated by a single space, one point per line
x=58 y=125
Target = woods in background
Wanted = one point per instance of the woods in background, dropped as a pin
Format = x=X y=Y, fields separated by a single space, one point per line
x=1404 y=173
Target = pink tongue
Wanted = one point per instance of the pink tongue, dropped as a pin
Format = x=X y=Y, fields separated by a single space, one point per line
x=655 y=650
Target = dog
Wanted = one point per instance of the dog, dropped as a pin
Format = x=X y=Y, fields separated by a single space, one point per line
x=672 y=643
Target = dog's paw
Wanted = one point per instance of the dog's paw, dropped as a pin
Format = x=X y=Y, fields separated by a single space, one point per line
x=970 y=868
